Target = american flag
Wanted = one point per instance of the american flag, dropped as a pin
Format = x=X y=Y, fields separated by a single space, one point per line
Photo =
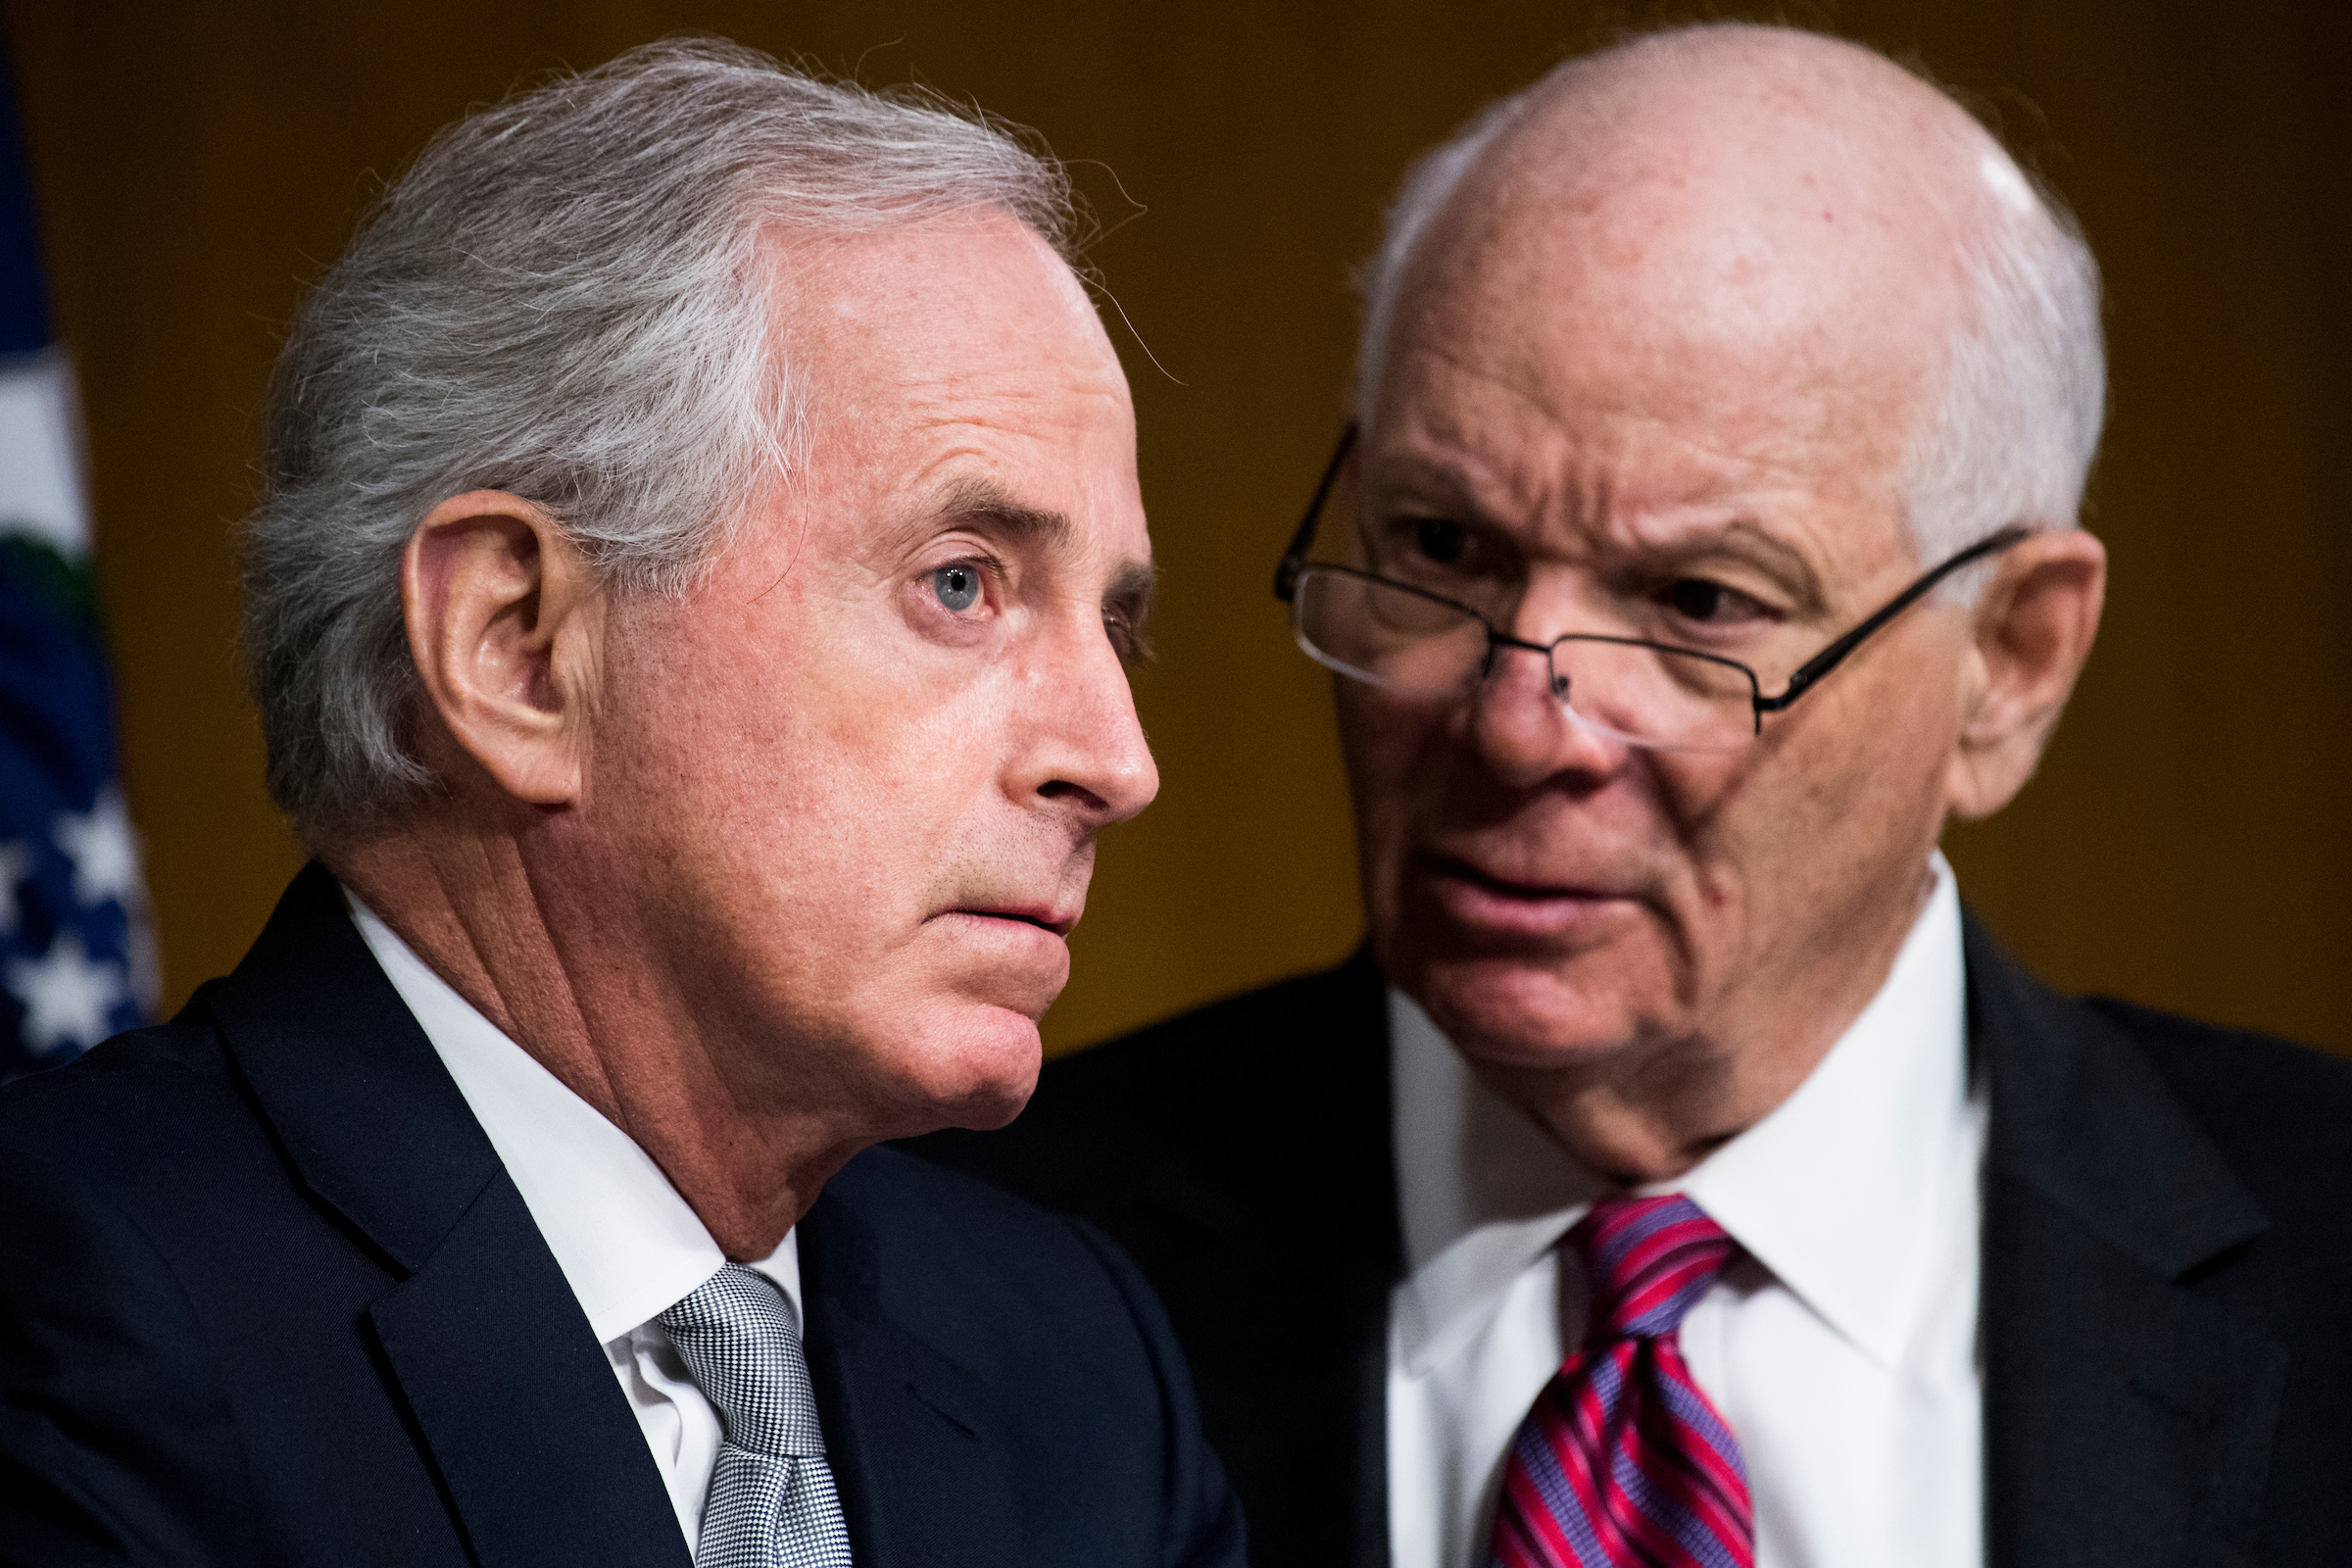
x=77 y=951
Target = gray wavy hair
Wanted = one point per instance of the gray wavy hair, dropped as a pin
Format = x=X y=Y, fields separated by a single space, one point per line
x=2014 y=429
x=565 y=297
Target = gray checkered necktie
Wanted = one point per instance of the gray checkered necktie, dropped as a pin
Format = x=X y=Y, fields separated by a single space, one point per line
x=772 y=1502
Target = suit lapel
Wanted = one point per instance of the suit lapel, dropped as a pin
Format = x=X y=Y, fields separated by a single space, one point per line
x=1276 y=1254
x=2128 y=1395
x=926 y=1473
x=534 y=1442
x=541 y=1455
x=371 y=1119
x=1377 y=1265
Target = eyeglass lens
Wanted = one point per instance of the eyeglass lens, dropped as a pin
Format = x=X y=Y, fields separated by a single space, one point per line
x=1389 y=635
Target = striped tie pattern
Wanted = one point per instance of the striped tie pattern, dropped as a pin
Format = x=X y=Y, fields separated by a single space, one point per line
x=1622 y=1462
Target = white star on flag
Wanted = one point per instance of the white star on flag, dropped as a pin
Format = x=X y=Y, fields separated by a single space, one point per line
x=105 y=851
x=66 y=997
x=15 y=865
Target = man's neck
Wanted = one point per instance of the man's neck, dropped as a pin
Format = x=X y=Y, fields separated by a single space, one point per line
x=505 y=931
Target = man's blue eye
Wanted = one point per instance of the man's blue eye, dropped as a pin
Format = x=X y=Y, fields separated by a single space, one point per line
x=958 y=587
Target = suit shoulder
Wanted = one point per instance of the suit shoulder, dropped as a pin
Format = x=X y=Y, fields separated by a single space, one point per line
x=947 y=1249
x=1051 y=1335
x=1258 y=1056
x=116 y=1094
x=1298 y=1009
x=923 y=1203
x=2278 y=1108
x=1258 y=1093
x=148 y=1150
x=2265 y=1067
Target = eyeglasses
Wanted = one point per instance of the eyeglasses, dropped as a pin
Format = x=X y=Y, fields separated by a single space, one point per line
x=1408 y=639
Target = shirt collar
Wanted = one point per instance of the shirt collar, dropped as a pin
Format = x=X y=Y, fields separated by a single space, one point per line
x=1482 y=1191
x=1848 y=1190
x=629 y=1246
x=1845 y=1192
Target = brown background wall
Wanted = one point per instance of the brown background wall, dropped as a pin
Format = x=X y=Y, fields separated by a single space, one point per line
x=2188 y=843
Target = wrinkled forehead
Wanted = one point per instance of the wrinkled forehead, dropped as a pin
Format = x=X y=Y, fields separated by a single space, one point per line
x=977 y=302
x=942 y=369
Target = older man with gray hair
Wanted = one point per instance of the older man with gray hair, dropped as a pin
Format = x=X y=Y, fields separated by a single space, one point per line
x=689 y=602
x=1680 y=1177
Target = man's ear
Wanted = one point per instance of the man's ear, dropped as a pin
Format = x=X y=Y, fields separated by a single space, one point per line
x=2035 y=622
x=505 y=623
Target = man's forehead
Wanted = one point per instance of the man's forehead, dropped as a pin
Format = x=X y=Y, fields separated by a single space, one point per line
x=1516 y=406
x=1733 y=185
x=1713 y=251
x=954 y=369
x=974 y=300
x=1704 y=239
x=1820 y=500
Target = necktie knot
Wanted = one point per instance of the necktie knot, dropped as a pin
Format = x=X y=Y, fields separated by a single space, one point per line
x=1622 y=1462
x=740 y=1343
x=1649 y=1260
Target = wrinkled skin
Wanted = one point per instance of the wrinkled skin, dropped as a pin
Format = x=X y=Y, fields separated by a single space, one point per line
x=1652 y=372
x=786 y=865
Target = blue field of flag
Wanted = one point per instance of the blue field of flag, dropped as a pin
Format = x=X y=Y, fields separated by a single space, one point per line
x=77 y=957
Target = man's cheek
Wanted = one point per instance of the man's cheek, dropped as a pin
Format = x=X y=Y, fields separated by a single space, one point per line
x=1386 y=745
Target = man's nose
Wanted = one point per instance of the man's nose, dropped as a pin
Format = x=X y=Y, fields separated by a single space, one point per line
x=1524 y=732
x=1088 y=749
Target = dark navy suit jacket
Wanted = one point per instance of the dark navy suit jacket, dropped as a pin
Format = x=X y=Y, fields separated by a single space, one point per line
x=268 y=1297
x=2165 y=1307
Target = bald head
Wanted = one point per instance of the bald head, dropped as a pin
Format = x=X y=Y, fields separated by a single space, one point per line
x=1679 y=364
x=1796 y=208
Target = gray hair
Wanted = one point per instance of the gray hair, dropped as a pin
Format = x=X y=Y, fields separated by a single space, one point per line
x=565 y=297
x=2012 y=431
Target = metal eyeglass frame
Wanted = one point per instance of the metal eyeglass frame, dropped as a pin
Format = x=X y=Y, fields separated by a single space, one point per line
x=1806 y=676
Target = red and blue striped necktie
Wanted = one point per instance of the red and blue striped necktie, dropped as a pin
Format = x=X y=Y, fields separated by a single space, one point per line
x=1622 y=1463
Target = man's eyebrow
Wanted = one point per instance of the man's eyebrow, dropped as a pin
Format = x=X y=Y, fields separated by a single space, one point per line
x=1022 y=524
x=1777 y=553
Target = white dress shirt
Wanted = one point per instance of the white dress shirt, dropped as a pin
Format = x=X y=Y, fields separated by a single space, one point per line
x=1841 y=1349
x=628 y=1245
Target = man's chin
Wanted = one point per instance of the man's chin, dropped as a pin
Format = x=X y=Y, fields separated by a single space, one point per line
x=976 y=1067
x=1515 y=1013
x=987 y=1113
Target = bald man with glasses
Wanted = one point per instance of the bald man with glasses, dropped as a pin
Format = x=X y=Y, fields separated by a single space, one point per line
x=1679 y=1175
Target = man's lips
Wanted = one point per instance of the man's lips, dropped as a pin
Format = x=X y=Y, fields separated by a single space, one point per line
x=1473 y=897
x=1041 y=916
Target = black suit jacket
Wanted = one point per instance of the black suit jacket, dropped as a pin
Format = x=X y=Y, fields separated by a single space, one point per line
x=268 y=1297
x=2165 y=1311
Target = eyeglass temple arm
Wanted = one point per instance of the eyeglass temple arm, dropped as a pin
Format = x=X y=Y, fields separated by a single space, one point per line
x=1286 y=574
x=1830 y=658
